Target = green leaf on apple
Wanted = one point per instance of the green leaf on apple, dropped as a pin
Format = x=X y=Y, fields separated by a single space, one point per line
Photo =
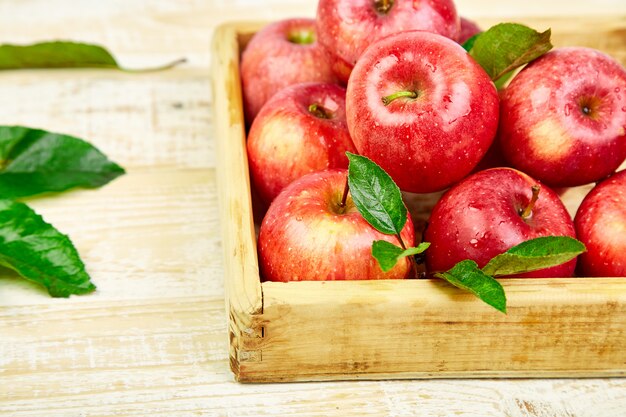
x=375 y=195
x=34 y=161
x=39 y=252
x=531 y=255
x=535 y=254
x=63 y=54
x=387 y=254
x=468 y=276
x=469 y=44
x=507 y=46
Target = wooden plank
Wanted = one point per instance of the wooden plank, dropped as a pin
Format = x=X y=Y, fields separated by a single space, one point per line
x=146 y=234
x=427 y=328
x=169 y=357
x=139 y=120
x=243 y=295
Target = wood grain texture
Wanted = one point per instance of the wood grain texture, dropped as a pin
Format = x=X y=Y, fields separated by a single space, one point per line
x=427 y=328
x=153 y=339
x=243 y=296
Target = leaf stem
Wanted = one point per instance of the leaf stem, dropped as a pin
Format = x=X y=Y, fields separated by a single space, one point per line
x=383 y=6
x=344 y=197
x=531 y=204
x=155 y=69
x=402 y=245
x=319 y=111
x=411 y=258
x=421 y=258
x=408 y=94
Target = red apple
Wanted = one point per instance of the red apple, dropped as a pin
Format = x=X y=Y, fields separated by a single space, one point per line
x=563 y=117
x=282 y=54
x=347 y=27
x=420 y=107
x=306 y=235
x=486 y=214
x=468 y=29
x=301 y=129
x=601 y=225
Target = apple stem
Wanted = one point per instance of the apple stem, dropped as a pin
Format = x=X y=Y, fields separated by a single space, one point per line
x=399 y=94
x=163 y=67
x=319 y=111
x=529 y=208
x=344 y=198
x=411 y=258
x=401 y=241
x=383 y=6
x=302 y=37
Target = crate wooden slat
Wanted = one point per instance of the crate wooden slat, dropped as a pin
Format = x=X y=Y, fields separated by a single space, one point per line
x=301 y=331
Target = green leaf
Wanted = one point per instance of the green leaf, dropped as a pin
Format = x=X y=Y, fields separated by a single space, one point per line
x=375 y=195
x=62 y=54
x=469 y=44
x=507 y=46
x=502 y=81
x=387 y=254
x=534 y=254
x=34 y=161
x=39 y=252
x=467 y=276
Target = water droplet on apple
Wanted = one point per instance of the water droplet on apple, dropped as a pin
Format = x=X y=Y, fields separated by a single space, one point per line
x=567 y=109
x=299 y=218
x=617 y=89
x=474 y=242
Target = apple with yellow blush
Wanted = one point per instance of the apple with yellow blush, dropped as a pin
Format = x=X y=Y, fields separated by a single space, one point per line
x=563 y=117
x=301 y=129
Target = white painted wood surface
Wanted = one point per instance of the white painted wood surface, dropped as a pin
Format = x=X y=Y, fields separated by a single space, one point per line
x=152 y=340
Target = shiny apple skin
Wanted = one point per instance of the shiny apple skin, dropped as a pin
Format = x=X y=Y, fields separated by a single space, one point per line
x=303 y=239
x=431 y=142
x=270 y=62
x=601 y=225
x=348 y=27
x=469 y=28
x=479 y=218
x=543 y=129
x=287 y=141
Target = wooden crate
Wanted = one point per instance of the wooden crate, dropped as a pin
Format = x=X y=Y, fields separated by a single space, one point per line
x=302 y=331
